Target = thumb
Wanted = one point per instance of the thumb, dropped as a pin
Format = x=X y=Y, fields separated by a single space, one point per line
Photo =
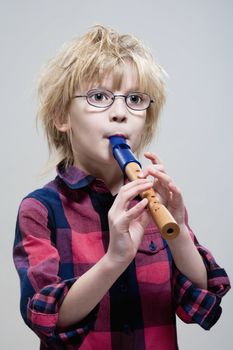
x=139 y=227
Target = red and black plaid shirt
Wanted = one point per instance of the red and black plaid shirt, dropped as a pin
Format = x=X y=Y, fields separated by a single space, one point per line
x=62 y=231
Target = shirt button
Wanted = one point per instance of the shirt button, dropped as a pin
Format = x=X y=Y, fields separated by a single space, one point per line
x=152 y=246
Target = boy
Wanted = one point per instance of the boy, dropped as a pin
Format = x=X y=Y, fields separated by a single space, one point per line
x=95 y=272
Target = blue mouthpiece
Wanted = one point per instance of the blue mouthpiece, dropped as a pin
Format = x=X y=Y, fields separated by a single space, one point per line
x=122 y=152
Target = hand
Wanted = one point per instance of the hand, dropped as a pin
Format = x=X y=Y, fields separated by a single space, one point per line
x=126 y=226
x=169 y=194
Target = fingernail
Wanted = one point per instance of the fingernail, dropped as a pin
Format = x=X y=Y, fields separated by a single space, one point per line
x=148 y=181
x=141 y=175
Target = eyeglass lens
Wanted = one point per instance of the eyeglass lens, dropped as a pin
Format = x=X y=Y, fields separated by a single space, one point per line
x=104 y=98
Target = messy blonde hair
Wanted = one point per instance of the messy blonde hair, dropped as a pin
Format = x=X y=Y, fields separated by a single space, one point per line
x=87 y=60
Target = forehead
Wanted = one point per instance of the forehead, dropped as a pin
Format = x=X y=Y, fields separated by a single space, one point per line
x=121 y=77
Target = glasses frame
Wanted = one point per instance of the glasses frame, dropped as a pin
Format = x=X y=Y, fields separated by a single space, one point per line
x=114 y=97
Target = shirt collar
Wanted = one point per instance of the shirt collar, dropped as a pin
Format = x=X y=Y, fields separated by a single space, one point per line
x=76 y=178
x=73 y=177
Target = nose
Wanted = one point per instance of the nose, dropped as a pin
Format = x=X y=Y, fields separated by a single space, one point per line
x=118 y=110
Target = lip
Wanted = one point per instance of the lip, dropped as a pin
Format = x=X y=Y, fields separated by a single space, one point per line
x=119 y=134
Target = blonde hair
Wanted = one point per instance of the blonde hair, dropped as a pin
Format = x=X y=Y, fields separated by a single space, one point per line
x=87 y=60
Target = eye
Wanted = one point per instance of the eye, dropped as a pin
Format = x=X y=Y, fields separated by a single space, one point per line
x=135 y=98
x=99 y=96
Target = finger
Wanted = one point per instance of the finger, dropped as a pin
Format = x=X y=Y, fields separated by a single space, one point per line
x=134 y=183
x=161 y=181
x=137 y=210
x=131 y=184
x=177 y=198
x=150 y=168
x=144 y=218
x=156 y=163
x=161 y=184
x=162 y=193
x=130 y=191
x=160 y=175
x=140 y=224
x=154 y=159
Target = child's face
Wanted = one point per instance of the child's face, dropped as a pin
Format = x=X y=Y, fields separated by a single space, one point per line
x=91 y=126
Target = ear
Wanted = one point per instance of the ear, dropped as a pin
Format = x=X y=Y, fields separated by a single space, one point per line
x=63 y=127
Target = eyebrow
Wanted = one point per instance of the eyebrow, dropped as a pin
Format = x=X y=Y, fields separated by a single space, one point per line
x=104 y=87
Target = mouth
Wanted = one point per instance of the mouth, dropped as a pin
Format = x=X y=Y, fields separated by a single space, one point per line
x=119 y=135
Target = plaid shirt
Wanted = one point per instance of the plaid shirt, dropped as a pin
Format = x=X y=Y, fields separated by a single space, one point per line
x=62 y=231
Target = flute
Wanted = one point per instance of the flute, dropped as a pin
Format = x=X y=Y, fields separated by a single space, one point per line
x=130 y=166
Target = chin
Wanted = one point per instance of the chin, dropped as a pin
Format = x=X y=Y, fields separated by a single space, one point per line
x=106 y=157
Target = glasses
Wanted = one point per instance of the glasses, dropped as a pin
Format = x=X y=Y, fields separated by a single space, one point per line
x=101 y=98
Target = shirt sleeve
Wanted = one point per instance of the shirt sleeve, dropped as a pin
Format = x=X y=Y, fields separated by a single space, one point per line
x=42 y=290
x=196 y=305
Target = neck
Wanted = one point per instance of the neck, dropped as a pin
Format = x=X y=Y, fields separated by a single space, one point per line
x=110 y=174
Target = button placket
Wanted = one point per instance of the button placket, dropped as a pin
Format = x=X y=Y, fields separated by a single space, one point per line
x=123 y=288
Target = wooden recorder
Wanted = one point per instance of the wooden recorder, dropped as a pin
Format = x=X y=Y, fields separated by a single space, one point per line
x=130 y=166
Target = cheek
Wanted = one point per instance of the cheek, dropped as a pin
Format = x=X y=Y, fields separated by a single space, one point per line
x=136 y=141
x=79 y=123
x=140 y=127
x=137 y=134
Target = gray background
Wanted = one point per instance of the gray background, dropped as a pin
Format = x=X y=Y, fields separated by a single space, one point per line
x=193 y=41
